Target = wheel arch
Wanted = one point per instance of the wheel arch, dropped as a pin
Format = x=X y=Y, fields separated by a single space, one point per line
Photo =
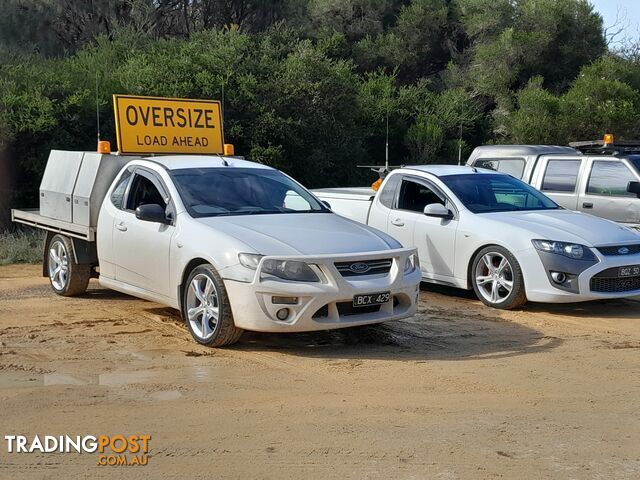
x=186 y=271
x=473 y=257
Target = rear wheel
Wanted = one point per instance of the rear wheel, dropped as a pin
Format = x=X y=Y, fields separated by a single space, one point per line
x=206 y=309
x=497 y=278
x=67 y=278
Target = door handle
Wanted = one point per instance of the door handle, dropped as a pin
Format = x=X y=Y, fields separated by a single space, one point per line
x=120 y=226
x=587 y=205
x=398 y=222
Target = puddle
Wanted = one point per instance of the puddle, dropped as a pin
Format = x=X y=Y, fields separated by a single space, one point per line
x=20 y=380
x=64 y=379
x=166 y=395
x=126 y=378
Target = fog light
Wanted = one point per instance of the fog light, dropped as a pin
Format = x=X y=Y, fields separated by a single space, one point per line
x=282 y=314
x=284 y=300
x=559 y=277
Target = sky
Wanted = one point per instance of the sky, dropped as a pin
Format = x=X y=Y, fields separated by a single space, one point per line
x=623 y=8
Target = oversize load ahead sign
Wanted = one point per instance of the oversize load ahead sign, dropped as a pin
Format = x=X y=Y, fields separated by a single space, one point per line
x=168 y=125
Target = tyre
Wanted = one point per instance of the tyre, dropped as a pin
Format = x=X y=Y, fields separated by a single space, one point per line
x=497 y=278
x=206 y=309
x=67 y=278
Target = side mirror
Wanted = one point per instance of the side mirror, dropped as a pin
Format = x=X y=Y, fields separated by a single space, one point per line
x=152 y=213
x=634 y=187
x=326 y=204
x=438 y=210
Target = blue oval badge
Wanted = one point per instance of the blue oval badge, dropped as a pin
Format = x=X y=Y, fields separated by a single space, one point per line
x=359 y=267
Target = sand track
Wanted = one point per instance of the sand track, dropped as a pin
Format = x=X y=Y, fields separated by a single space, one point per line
x=458 y=391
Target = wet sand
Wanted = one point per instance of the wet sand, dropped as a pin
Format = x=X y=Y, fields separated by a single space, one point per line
x=458 y=391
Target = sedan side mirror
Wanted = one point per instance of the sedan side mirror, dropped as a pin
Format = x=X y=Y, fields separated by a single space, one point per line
x=326 y=204
x=634 y=187
x=438 y=210
x=152 y=213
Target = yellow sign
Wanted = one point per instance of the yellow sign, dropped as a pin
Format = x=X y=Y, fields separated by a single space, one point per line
x=168 y=125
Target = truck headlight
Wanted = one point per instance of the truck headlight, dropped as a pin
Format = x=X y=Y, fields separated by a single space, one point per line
x=284 y=269
x=411 y=263
x=570 y=250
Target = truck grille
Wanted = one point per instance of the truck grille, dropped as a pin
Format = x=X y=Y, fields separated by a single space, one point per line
x=364 y=267
x=608 y=281
x=619 y=250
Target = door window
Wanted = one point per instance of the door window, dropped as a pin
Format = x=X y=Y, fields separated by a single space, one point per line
x=610 y=178
x=144 y=192
x=388 y=192
x=117 y=196
x=415 y=196
x=561 y=176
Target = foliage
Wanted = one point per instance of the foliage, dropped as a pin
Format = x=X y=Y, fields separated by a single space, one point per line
x=309 y=86
x=23 y=246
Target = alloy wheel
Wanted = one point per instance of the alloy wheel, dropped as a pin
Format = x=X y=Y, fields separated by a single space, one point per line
x=58 y=265
x=494 y=277
x=203 y=306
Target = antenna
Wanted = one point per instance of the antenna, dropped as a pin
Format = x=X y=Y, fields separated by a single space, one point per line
x=386 y=146
x=97 y=107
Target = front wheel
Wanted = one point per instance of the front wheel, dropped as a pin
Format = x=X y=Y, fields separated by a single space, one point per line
x=497 y=278
x=67 y=277
x=206 y=309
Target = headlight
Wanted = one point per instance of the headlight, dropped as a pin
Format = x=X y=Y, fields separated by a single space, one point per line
x=571 y=250
x=290 y=270
x=411 y=263
x=284 y=269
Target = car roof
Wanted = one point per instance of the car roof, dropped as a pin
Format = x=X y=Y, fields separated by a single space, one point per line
x=176 y=162
x=444 y=170
x=509 y=150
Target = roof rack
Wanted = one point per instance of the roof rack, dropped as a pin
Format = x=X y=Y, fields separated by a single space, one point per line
x=599 y=147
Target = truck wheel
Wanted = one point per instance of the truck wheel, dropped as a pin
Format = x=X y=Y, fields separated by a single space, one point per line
x=206 y=309
x=497 y=278
x=66 y=276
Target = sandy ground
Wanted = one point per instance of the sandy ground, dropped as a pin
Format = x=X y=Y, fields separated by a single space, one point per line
x=458 y=391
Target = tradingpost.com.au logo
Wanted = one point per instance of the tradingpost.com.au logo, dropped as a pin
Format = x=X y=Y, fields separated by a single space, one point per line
x=112 y=450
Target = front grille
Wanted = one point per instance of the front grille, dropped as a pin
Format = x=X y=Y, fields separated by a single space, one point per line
x=608 y=281
x=347 y=308
x=615 y=250
x=364 y=267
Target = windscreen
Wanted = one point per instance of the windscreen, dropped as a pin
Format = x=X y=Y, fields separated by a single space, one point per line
x=208 y=192
x=483 y=193
x=635 y=161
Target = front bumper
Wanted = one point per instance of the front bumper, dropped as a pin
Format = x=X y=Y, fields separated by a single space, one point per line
x=540 y=289
x=327 y=305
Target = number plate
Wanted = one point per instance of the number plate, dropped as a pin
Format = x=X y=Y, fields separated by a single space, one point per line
x=632 y=271
x=371 y=299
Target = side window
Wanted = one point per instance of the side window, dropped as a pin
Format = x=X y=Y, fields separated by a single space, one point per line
x=487 y=163
x=610 y=179
x=415 y=196
x=388 y=192
x=117 y=196
x=561 y=176
x=510 y=166
x=143 y=192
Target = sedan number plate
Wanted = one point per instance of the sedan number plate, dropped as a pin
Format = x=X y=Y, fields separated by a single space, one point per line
x=632 y=271
x=371 y=299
